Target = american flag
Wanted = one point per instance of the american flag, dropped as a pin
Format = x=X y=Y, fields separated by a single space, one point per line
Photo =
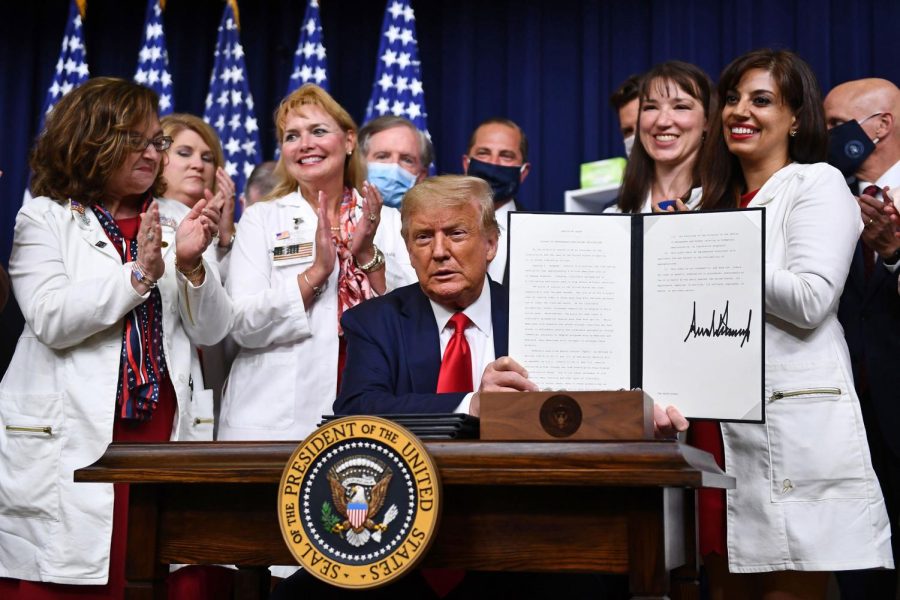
x=309 y=58
x=71 y=68
x=153 y=60
x=398 y=80
x=229 y=104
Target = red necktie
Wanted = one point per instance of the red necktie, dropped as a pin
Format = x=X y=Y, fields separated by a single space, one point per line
x=455 y=376
x=456 y=366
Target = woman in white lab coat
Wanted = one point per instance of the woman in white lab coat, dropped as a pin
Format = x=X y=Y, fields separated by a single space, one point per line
x=807 y=500
x=114 y=288
x=314 y=248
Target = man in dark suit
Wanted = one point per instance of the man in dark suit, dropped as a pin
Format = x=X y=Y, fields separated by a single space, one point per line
x=398 y=344
x=395 y=343
x=870 y=304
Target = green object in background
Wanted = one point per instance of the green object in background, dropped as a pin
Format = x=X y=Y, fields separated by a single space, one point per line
x=603 y=173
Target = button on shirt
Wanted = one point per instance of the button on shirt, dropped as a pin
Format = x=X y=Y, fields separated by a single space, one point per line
x=479 y=335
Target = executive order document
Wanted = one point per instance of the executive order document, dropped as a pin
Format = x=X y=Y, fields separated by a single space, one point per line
x=670 y=303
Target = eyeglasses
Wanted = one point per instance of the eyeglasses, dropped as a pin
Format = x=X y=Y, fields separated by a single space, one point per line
x=139 y=143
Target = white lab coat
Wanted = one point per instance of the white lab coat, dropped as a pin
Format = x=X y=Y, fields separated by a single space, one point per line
x=807 y=498
x=284 y=377
x=647 y=207
x=74 y=292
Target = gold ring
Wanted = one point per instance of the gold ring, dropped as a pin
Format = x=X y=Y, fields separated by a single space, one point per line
x=372 y=217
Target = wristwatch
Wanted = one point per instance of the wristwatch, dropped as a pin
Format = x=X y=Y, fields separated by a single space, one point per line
x=893 y=259
x=373 y=265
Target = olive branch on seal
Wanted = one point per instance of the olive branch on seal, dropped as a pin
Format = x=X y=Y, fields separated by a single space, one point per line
x=329 y=519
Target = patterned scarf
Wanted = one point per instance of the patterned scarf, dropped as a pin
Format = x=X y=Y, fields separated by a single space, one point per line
x=143 y=364
x=353 y=284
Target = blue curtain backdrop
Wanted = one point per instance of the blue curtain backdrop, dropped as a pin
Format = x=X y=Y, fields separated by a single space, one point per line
x=548 y=65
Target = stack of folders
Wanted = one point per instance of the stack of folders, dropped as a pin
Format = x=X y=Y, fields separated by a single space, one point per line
x=431 y=426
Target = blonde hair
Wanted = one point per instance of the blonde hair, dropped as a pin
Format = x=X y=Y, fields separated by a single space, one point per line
x=310 y=94
x=177 y=122
x=450 y=191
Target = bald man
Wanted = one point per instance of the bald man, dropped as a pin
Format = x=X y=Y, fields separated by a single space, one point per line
x=865 y=143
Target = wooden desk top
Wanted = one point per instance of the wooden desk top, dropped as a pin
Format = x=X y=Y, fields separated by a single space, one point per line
x=472 y=462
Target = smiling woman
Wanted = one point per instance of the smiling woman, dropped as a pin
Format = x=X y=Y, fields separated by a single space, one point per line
x=809 y=464
x=674 y=106
x=315 y=249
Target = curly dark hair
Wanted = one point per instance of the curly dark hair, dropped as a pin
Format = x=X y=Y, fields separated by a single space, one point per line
x=87 y=136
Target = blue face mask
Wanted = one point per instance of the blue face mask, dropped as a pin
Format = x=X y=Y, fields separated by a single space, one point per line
x=504 y=181
x=392 y=180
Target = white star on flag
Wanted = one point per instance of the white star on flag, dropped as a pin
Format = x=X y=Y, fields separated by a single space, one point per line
x=153 y=60
x=310 y=65
x=309 y=58
x=398 y=77
x=71 y=68
x=229 y=104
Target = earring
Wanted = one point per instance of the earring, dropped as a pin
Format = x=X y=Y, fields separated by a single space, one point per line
x=793 y=133
x=349 y=152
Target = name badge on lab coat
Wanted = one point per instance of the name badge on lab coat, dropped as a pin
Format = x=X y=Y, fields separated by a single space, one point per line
x=293 y=247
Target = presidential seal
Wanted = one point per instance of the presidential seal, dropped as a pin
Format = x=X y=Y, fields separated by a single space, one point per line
x=359 y=502
x=560 y=415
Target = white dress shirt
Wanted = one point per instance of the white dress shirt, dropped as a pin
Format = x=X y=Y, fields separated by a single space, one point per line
x=480 y=336
x=497 y=268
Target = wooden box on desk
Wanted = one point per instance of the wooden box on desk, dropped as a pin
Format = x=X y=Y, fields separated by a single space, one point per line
x=557 y=416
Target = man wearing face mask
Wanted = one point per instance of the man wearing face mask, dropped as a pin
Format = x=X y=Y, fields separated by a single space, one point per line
x=397 y=156
x=498 y=153
x=625 y=102
x=865 y=145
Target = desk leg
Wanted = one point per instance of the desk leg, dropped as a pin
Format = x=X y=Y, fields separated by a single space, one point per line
x=686 y=579
x=648 y=576
x=144 y=574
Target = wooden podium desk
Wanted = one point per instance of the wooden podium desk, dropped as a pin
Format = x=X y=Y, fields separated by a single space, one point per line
x=622 y=507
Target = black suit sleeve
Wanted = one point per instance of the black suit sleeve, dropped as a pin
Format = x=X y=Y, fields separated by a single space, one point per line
x=376 y=378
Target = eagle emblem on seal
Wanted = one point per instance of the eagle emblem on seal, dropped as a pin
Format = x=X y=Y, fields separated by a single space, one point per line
x=359 y=487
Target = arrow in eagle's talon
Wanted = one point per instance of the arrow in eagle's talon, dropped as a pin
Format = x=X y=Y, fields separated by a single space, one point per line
x=389 y=516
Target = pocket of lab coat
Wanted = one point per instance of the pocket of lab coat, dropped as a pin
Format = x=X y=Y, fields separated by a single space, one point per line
x=198 y=418
x=30 y=446
x=814 y=436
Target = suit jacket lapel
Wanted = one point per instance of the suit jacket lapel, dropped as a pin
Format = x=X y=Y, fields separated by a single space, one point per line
x=92 y=232
x=421 y=342
x=880 y=276
x=500 y=318
x=857 y=276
